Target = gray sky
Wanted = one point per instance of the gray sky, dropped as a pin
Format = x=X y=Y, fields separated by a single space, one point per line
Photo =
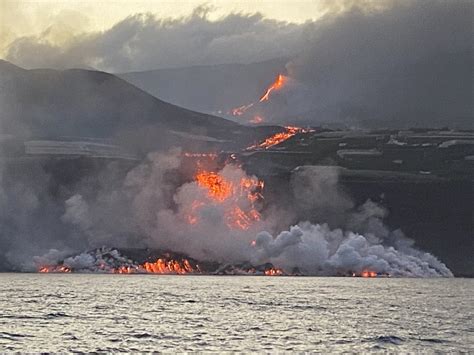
x=58 y=22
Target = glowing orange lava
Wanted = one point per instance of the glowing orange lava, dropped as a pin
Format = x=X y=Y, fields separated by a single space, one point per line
x=273 y=272
x=368 y=273
x=278 y=138
x=217 y=187
x=54 y=269
x=162 y=266
x=257 y=119
x=238 y=199
x=278 y=84
x=239 y=111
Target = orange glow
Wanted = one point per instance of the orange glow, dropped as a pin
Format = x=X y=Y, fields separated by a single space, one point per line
x=256 y=119
x=162 y=266
x=278 y=138
x=231 y=196
x=239 y=111
x=273 y=272
x=195 y=205
x=126 y=270
x=278 y=84
x=217 y=188
x=368 y=273
x=54 y=269
x=237 y=218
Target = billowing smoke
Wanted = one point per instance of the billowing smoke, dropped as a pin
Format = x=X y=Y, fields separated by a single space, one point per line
x=318 y=250
x=408 y=65
x=203 y=226
x=399 y=65
x=225 y=222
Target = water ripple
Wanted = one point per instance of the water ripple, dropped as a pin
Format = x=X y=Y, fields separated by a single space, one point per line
x=103 y=313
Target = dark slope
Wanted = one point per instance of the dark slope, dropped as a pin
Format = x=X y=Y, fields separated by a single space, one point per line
x=209 y=88
x=84 y=103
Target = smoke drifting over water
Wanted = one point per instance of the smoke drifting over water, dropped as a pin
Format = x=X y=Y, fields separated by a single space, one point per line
x=224 y=221
x=318 y=250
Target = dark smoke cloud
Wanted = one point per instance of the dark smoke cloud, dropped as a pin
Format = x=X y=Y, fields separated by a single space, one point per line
x=144 y=41
x=410 y=64
x=403 y=64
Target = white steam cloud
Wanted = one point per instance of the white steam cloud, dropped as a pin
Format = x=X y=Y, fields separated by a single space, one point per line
x=318 y=250
x=161 y=211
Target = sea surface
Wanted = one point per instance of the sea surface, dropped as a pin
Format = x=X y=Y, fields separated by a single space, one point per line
x=105 y=313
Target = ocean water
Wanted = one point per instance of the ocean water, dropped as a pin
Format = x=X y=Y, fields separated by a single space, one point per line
x=73 y=312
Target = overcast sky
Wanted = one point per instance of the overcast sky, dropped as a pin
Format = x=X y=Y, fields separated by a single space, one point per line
x=38 y=33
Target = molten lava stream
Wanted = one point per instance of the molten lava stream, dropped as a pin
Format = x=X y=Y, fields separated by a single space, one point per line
x=237 y=199
x=273 y=272
x=366 y=274
x=278 y=84
x=162 y=266
x=54 y=269
x=280 y=137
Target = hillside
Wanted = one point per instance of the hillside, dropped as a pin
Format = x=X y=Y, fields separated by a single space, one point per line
x=83 y=103
x=209 y=88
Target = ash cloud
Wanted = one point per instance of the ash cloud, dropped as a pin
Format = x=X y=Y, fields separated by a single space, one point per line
x=410 y=64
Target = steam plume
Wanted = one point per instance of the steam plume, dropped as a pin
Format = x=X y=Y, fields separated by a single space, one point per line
x=360 y=242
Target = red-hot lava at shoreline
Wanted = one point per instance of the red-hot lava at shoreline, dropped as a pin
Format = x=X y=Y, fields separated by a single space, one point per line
x=110 y=261
x=274 y=272
x=54 y=269
x=160 y=266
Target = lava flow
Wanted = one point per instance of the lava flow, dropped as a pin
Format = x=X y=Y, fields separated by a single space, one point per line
x=237 y=199
x=274 y=272
x=162 y=266
x=279 y=82
x=218 y=188
x=280 y=137
x=369 y=274
x=54 y=269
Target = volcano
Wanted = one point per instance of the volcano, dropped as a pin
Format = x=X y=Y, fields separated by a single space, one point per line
x=84 y=103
